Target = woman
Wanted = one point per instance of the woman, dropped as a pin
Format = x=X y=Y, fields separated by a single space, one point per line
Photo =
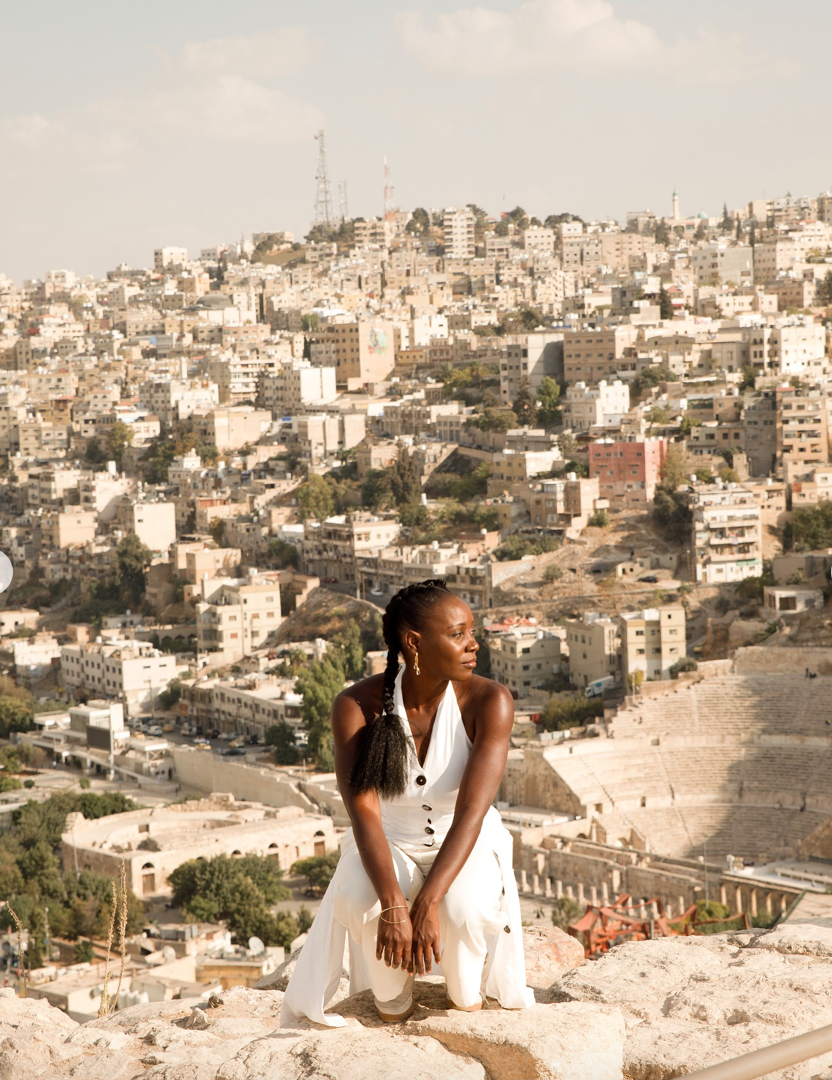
x=424 y=881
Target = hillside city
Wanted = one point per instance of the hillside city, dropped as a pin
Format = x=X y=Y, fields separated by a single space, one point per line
x=611 y=439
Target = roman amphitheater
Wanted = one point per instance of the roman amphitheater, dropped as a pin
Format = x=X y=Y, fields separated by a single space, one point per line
x=723 y=781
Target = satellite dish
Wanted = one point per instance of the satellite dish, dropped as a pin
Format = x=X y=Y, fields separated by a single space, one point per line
x=256 y=946
x=169 y=952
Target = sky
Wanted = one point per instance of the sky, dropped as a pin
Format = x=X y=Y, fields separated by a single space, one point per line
x=191 y=122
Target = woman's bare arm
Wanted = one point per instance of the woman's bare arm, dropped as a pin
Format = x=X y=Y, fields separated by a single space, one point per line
x=348 y=728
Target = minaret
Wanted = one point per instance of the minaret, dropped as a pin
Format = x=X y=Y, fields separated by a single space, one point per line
x=676 y=214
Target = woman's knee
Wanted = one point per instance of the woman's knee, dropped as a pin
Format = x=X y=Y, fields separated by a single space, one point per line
x=475 y=892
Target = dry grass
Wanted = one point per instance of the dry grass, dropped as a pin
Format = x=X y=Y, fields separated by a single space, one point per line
x=20 y=961
x=104 y=1004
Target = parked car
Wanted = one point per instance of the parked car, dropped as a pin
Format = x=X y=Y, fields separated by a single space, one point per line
x=329 y=580
x=650 y=579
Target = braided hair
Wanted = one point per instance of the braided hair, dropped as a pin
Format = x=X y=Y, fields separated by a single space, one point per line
x=382 y=760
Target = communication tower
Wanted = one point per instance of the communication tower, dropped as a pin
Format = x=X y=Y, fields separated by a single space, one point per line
x=323 y=195
x=342 y=199
x=389 y=203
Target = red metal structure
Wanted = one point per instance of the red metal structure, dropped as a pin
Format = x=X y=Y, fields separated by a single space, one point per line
x=599 y=928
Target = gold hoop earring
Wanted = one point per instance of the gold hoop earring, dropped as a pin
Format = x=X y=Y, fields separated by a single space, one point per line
x=416 y=670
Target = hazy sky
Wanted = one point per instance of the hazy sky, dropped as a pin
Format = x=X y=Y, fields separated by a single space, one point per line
x=127 y=126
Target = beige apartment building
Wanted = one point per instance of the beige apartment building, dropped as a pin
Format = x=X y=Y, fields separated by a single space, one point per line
x=298 y=386
x=524 y=658
x=153 y=522
x=458 y=233
x=557 y=504
x=594 y=645
x=229 y=429
x=236 y=616
x=726 y=533
x=653 y=640
x=802 y=429
x=468 y=573
x=528 y=359
x=331 y=548
x=131 y=672
x=592 y=355
x=364 y=352
x=67 y=528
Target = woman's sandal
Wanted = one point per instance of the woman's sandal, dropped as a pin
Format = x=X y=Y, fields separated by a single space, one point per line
x=463 y=1008
x=396 y=1018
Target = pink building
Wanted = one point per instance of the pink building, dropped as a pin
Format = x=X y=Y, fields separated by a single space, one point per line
x=627 y=470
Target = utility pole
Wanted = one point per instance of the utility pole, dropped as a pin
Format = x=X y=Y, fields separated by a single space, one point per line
x=323 y=194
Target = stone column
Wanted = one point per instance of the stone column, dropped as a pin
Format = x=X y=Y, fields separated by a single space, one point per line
x=536 y=884
x=581 y=897
x=593 y=896
x=558 y=889
x=547 y=887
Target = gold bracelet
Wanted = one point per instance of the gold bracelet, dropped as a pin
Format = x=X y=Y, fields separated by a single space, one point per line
x=394 y=922
x=392 y=908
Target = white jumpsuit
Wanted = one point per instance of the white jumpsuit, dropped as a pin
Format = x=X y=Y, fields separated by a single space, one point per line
x=479 y=917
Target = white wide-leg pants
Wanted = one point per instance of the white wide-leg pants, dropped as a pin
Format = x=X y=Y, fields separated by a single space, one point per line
x=470 y=910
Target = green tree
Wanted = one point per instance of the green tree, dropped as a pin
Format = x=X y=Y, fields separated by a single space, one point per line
x=548 y=400
x=132 y=560
x=84 y=953
x=565 y=910
x=281 y=737
x=318 y=869
x=570 y=712
x=315 y=499
x=376 y=490
x=282 y=555
x=810 y=528
x=727 y=223
x=405 y=480
x=119 y=437
x=824 y=290
x=491 y=419
x=567 y=444
x=419 y=223
x=665 y=304
x=352 y=650
x=524 y=406
x=675 y=469
x=94 y=452
x=320 y=684
x=15 y=715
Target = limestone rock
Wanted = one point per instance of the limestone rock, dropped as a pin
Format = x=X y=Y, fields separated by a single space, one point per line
x=693 y=1002
x=349 y=1053
x=572 y=1041
x=549 y=953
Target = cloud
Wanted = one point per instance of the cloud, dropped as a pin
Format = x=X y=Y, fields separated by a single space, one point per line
x=575 y=36
x=212 y=96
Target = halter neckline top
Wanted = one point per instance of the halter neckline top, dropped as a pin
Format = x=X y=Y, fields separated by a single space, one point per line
x=421 y=817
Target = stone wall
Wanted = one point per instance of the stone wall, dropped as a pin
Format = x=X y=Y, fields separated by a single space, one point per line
x=208 y=772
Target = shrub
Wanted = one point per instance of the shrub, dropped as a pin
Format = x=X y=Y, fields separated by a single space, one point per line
x=600 y=519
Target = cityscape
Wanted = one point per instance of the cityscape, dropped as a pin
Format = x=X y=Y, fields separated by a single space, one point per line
x=610 y=436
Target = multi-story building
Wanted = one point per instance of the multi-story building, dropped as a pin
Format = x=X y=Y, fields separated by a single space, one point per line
x=802 y=428
x=153 y=522
x=594 y=648
x=131 y=672
x=628 y=470
x=331 y=548
x=726 y=533
x=760 y=419
x=177 y=399
x=167 y=257
x=604 y=405
x=298 y=386
x=720 y=263
x=653 y=640
x=592 y=355
x=67 y=528
x=559 y=504
x=469 y=573
x=458 y=232
x=236 y=616
x=229 y=429
x=365 y=352
x=527 y=360
x=524 y=658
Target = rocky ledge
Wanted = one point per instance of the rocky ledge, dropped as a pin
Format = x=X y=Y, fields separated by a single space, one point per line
x=647 y=1011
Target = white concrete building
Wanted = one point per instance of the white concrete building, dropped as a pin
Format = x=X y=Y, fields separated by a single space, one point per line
x=604 y=405
x=131 y=672
x=727 y=534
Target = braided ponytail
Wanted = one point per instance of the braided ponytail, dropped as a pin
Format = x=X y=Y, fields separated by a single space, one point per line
x=382 y=760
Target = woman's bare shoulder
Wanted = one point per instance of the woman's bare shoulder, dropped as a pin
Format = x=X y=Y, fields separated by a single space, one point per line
x=366 y=694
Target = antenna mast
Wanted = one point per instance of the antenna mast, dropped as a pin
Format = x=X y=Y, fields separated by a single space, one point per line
x=389 y=203
x=323 y=195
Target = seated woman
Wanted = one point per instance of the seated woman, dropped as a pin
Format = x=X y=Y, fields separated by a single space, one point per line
x=425 y=881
